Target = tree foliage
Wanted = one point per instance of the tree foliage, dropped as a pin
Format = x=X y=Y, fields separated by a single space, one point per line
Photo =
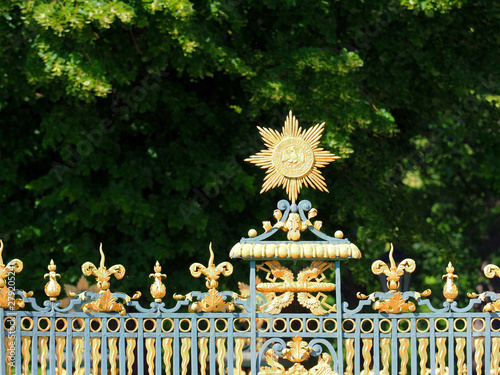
x=127 y=122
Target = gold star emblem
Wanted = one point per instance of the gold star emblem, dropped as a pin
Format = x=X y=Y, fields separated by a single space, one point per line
x=292 y=158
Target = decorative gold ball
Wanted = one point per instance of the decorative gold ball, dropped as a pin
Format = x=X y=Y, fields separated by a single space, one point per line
x=339 y=234
x=252 y=233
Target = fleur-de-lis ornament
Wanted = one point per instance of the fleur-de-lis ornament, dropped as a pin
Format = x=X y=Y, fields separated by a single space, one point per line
x=211 y=272
x=103 y=274
x=107 y=301
x=158 y=289
x=397 y=302
x=393 y=272
x=52 y=288
x=213 y=300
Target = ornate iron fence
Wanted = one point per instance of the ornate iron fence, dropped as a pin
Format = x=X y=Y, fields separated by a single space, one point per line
x=290 y=322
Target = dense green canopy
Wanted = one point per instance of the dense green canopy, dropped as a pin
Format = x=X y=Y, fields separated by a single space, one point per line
x=128 y=122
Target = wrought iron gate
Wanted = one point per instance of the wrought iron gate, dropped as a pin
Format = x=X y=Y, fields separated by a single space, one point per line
x=293 y=321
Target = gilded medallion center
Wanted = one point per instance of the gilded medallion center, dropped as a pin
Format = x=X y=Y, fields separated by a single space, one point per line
x=293 y=158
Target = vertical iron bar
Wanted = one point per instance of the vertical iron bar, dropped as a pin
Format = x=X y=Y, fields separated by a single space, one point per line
x=413 y=346
x=104 y=346
x=470 y=329
x=432 y=344
x=52 y=346
x=86 y=345
x=18 y=344
x=213 y=361
x=357 y=347
x=338 y=301
x=230 y=346
x=175 y=361
x=2 y=341
x=69 y=345
x=194 y=346
x=34 y=345
x=140 y=346
x=451 y=343
x=253 y=321
x=376 y=346
x=158 y=357
x=394 y=347
x=487 y=344
x=121 y=348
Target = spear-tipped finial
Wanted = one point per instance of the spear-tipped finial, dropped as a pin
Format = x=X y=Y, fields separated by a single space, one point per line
x=212 y=257
x=391 y=257
x=103 y=258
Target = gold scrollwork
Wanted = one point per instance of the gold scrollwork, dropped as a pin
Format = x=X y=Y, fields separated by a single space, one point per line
x=213 y=300
x=106 y=302
x=490 y=271
x=297 y=351
x=13 y=266
x=304 y=286
x=396 y=304
x=293 y=225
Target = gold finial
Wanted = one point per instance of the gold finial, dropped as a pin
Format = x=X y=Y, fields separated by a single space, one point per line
x=252 y=233
x=450 y=290
x=158 y=289
x=393 y=272
x=102 y=274
x=52 y=288
x=292 y=158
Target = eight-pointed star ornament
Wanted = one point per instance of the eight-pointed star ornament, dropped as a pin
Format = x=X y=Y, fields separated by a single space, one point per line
x=292 y=158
